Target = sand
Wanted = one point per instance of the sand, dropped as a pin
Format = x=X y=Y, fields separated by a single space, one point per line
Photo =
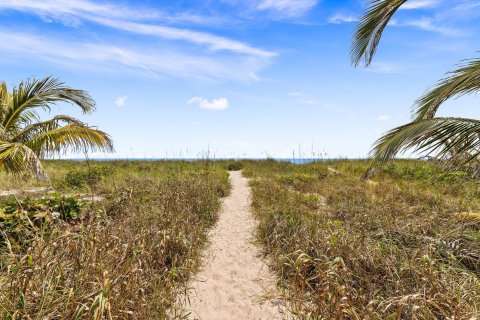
x=235 y=282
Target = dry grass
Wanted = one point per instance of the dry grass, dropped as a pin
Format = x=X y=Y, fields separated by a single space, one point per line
x=124 y=258
x=404 y=246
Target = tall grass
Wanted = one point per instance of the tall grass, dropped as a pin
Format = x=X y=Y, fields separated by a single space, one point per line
x=403 y=246
x=124 y=258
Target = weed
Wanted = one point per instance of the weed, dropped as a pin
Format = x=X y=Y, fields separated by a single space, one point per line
x=126 y=257
x=404 y=246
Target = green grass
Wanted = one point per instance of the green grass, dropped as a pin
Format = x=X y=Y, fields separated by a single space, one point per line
x=127 y=257
x=405 y=245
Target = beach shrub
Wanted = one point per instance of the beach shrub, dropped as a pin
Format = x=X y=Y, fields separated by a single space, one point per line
x=403 y=246
x=293 y=178
x=88 y=177
x=417 y=171
x=234 y=166
x=20 y=220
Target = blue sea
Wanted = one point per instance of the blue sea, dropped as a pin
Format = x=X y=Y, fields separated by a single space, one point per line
x=291 y=160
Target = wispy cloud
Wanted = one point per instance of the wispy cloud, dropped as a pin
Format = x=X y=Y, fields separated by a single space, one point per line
x=429 y=24
x=274 y=9
x=289 y=8
x=382 y=67
x=420 y=4
x=467 y=5
x=296 y=94
x=425 y=23
x=215 y=104
x=340 y=18
x=125 y=19
x=201 y=54
x=80 y=8
x=461 y=11
x=150 y=61
x=306 y=100
x=384 y=118
x=212 y=41
x=121 y=101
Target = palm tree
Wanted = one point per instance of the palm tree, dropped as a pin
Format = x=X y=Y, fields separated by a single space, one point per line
x=455 y=140
x=25 y=139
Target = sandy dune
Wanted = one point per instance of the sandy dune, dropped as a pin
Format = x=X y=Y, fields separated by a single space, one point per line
x=234 y=282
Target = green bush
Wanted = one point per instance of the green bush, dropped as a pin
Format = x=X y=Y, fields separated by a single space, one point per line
x=419 y=172
x=292 y=179
x=87 y=178
x=235 y=166
x=20 y=219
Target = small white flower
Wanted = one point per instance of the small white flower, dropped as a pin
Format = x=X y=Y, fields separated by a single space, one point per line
x=55 y=215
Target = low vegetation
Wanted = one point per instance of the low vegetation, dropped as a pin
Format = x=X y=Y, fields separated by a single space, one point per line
x=405 y=245
x=126 y=257
x=234 y=166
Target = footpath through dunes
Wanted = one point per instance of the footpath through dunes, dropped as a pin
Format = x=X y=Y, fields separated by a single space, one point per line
x=234 y=283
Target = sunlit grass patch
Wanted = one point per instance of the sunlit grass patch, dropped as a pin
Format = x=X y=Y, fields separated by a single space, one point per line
x=404 y=245
x=127 y=256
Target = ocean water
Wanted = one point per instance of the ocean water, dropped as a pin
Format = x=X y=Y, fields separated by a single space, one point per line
x=291 y=160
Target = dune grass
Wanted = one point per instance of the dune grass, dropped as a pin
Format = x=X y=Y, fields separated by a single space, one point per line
x=126 y=257
x=405 y=245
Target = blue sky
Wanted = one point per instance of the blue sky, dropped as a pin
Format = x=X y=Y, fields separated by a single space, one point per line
x=249 y=78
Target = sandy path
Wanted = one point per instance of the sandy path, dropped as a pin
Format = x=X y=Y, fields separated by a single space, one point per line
x=234 y=281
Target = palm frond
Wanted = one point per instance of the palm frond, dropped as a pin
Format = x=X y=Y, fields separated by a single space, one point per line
x=369 y=32
x=75 y=137
x=4 y=102
x=25 y=140
x=29 y=132
x=33 y=94
x=441 y=137
x=462 y=81
x=17 y=159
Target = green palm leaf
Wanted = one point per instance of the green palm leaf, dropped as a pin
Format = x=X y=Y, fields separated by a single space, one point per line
x=464 y=80
x=73 y=137
x=25 y=140
x=369 y=32
x=34 y=94
x=440 y=137
x=17 y=158
x=32 y=130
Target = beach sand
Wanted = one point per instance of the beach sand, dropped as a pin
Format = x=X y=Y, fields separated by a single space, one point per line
x=234 y=282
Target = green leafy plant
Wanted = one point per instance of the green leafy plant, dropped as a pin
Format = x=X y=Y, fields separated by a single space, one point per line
x=454 y=140
x=25 y=139
x=234 y=166
x=19 y=220
x=89 y=177
x=295 y=178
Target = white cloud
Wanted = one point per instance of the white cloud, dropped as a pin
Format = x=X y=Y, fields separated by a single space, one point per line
x=429 y=24
x=214 y=42
x=302 y=98
x=340 y=18
x=382 y=67
x=296 y=94
x=273 y=9
x=384 y=118
x=289 y=8
x=59 y=9
x=121 y=101
x=149 y=60
x=123 y=18
x=215 y=104
x=420 y=4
